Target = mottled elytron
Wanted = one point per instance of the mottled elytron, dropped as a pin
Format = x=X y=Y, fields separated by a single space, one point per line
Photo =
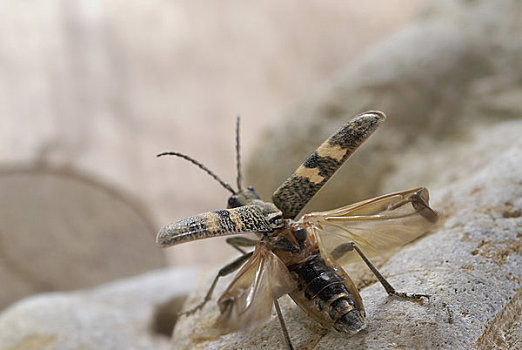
x=301 y=257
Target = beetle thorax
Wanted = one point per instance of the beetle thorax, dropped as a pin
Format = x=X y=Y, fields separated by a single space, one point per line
x=249 y=196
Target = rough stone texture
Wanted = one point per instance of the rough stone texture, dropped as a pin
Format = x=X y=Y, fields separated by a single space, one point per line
x=457 y=65
x=63 y=231
x=470 y=265
x=128 y=314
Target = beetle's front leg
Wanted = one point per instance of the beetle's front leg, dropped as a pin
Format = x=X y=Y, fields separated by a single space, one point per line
x=225 y=270
x=239 y=241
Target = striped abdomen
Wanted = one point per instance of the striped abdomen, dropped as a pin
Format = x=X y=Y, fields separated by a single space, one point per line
x=329 y=296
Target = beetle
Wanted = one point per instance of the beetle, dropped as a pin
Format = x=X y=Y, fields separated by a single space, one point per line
x=301 y=257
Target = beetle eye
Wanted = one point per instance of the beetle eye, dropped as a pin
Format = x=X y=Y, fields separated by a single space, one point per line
x=233 y=202
x=276 y=219
x=278 y=222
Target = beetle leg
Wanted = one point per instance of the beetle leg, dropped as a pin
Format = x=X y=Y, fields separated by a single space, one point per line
x=346 y=247
x=341 y=249
x=239 y=241
x=283 y=325
x=225 y=270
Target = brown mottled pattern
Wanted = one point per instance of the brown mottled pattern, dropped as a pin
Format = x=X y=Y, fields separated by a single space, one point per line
x=301 y=186
x=218 y=223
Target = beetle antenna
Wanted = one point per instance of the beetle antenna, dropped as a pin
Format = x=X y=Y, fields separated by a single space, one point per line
x=201 y=166
x=238 y=155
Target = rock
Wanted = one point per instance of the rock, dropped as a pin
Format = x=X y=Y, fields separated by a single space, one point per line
x=471 y=266
x=128 y=314
x=61 y=231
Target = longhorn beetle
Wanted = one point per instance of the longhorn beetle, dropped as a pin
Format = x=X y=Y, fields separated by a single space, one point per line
x=301 y=257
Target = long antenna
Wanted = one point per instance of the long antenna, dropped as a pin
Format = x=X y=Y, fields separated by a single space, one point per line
x=201 y=166
x=238 y=155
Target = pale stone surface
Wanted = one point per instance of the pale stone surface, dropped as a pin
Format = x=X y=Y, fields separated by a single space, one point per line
x=470 y=265
x=60 y=230
x=120 y=315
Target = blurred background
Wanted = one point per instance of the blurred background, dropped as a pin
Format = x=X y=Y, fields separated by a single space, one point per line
x=91 y=91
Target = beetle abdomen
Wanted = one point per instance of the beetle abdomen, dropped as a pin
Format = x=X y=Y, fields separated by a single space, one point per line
x=322 y=293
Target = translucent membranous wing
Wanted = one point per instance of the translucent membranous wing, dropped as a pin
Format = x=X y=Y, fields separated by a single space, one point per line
x=247 y=302
x=212 y=224
x=309 y=178
x=375 y=225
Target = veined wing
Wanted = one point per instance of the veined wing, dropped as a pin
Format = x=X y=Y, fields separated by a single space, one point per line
x=375 y=225
x=248 y=300
x=248 y=218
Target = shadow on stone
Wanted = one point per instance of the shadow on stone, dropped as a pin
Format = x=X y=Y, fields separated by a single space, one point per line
x=166 y=316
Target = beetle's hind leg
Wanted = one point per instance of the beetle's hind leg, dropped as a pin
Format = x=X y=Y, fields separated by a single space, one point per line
x=235 y=242
x=283 y=326
x=346 y=247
